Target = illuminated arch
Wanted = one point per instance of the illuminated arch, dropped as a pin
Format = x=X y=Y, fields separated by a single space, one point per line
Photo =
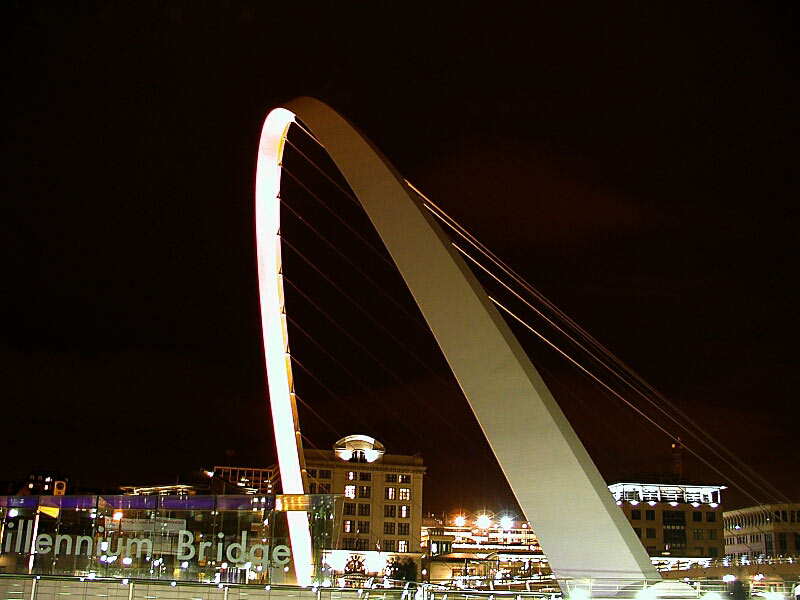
x=558 y=487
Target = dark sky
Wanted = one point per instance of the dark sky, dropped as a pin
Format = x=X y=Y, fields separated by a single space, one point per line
x=635 y=164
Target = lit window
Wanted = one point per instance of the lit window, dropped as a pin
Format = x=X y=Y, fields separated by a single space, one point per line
x=351 y=475
x=348 y=526
x=349 y=491
x=402 y=545
x=390 y=493
x=405 y=494
x=405 y=511
x=405 y=478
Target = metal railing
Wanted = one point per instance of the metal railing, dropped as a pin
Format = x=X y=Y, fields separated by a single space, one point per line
x=35 y=587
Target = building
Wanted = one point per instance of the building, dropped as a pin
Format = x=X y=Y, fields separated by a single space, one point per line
x=261 y=479
x=480 y=551
x=676 y=519
x=45 y=483
x=767 y=531
x=191 y=483
x=382 y=497
x=178 y=537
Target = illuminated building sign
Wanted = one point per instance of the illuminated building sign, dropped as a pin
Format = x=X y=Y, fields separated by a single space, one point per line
x=211 y=539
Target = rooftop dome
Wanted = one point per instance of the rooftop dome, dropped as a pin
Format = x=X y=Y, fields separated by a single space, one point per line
x=359 y=448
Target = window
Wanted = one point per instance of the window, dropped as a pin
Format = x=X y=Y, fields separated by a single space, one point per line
x=324 y=473
x=351 y=476
x=363 y=526
x=349 y=508
x=712 y=534
x=312 y=473
x=312 y=488
x=711 y=517
x=391 y=478
x=697 y=534
x=636 y=515
x=712 y=551
x=673 y=517
x=650 y=515
x=389 y=510
x=698 y=550
x=697 y=516
x=348 y=526
x=390 y=493
x=405 y=494
x=349 y=543
x=402 y=528
x=674 y=538
x=405 y=511
x=363 y=510
x=349 y=491
x=650 y=532
x=324 y=488
x=362 y=544
x=402 y=545
x=388 y=546
x=388 y=528
x=364 y=491
x=365 y=476
x=638 y=531
x=405 y=478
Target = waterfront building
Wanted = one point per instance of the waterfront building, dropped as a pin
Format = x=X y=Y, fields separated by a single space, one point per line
x=382 y=510
x=676 y=519
x=766 y=531
x=262 y=480
x=180 y=538
x=481 y=551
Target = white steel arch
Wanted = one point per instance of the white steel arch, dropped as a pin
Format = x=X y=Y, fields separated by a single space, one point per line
x=581 y=530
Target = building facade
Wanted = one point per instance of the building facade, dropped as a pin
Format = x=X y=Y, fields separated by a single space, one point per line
x=762 y=532
x=674 y=519
x=261 y=479
x=382 y=493
x=485 y=553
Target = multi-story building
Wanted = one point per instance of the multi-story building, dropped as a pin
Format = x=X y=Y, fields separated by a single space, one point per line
x=382 y=493
x=762 y=532
x=261 y=479
x=484 y=552
x=674 y=518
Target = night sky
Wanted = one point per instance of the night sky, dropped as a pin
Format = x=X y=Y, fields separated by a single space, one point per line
x=635 y=164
